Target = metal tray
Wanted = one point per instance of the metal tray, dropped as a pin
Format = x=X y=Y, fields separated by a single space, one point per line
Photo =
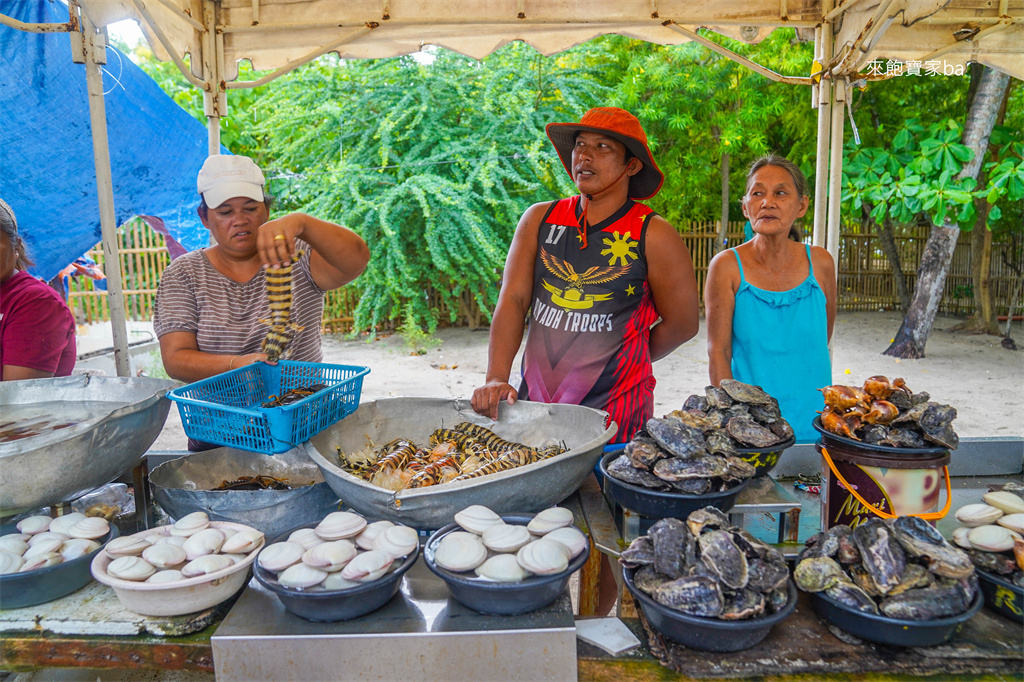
x=60 y=466
x=522 y=490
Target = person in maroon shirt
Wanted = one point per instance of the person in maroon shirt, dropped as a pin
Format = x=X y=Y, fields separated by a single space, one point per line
x=37 y=331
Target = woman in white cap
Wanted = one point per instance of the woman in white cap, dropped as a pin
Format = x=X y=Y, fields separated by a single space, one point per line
x=211 y=302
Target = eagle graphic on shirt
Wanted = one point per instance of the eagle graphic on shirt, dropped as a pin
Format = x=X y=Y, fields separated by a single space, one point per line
x=574 y=296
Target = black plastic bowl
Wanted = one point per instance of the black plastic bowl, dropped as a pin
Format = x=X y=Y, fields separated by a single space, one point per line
x=832 y=440
x=708 y=634
x=765 y=459
x=53 y=582
x=891 y=631
x=505 y=599
x=1001 y=595
x=333 y=605
x=661 y=505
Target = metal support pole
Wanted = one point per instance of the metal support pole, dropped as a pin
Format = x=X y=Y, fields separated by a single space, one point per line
x=95 y=55
x=822 y=56
x=835 y=171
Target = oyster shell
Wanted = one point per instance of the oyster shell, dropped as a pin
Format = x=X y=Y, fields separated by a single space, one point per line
x=129 y=545
x=340 y=525
x=745 y=603
x=675 y=437
x=242 y=542
x=365 y=539
x=301 y=576
x=130 y=568
x=1007 y=501
x=708 y=517
x=639 y=553
x=543 y=557
x=622 y=469
x=368 y=566
x=853 y=596
x=717 y=398
x=460 y=551
x=745 y=430
x=647 y=579
x=764 y=576
x=62 y=524
x=165 y=555
x=306 y=537
x=502 y=568
x=506 y=537
x=477 y=518
x=816 y=574
x=1014 y=522
x=10 y=562
x=206 y=541
x=974 y=515
x=330 y=556
x=698 y=466
x=190 y=524
x=169 y=575
x=568 y=536
x=34 y=524
x=721 y=555
x=549 y=519
x=697 y=596
x=745 y=393
x=925 y=604
x=920 y=539
x=673 y=547
x=204 y=565
x=280 y=555
x=991 y=538
x=398 y=541
x=881 y=555
x=78 y=547
x=642 y=452
x=90 y=528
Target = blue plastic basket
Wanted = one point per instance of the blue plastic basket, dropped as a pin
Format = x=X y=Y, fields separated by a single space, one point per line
x=225 y=409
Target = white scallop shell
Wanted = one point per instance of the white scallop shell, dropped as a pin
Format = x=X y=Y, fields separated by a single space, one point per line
x=365 y=539
x=14 y=544
x=460 y=551
x=206 y=541
x=10 y=562
x=502 y=568
x=544 y=557
x=46 y=546
x=505 y=537
x=78 y=547
x=62 y=524
x=242 y=542
x=1004 y=499
x=40 y=561
x=570 y=537
x=974 y=515
x=306 y=537
x=1014 y=522
x=330 y=556
x=91 y=527
x=164 y=555
x=280 y=555
x=190 y=524
x=130 y=545
x=301 y=576
x=960 y=537
x=230 y=532
x=550 y=519
x=991 y=538
x=177 y=540
x=130 y=568
x=44 y=537
x=34 y=524
x=398 y=541
x=204 y=565
x=340 y=525
x=167 y=576
x=368 y=566
x=477 y=518
x=334 y=581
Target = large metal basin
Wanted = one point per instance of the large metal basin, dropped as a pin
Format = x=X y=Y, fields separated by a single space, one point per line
x=59 y=466
x=184 y=485
x=523 y=490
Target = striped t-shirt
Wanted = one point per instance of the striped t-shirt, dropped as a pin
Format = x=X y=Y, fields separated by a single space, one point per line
x=225 y=315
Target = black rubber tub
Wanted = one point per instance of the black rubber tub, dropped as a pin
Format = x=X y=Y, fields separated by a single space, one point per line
x=765 y=459
x=1001 y=595
x=661 y=505
x=334 y=605
x=708 y=634
x=506 y=599
x=891 y=631
x=53 y=582
x=842 y=444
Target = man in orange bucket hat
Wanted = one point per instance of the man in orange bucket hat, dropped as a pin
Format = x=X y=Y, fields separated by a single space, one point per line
x=606 y=283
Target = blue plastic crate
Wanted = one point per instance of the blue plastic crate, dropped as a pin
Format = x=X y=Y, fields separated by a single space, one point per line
x=225 y=409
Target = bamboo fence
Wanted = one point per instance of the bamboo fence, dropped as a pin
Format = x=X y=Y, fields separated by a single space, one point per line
x=865 y=277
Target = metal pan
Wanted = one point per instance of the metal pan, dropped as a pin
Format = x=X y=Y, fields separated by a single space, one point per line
x=525 y=489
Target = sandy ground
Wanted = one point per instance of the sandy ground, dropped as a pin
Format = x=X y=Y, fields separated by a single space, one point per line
x=973 y=373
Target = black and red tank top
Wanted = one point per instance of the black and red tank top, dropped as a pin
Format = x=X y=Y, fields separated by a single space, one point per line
x=589 y=327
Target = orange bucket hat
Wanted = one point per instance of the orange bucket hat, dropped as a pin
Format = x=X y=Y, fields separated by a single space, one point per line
x=624 y=127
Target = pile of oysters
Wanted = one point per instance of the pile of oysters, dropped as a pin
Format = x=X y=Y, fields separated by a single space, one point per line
x=900 y=568
x=344 y=550
x=706 y=567
x=991 y=532
x=189 y=548
x=888 y=413
x=42 y=541
x=695 y=450
x=506 y=552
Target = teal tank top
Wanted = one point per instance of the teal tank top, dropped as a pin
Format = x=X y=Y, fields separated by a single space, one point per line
x=780 y=343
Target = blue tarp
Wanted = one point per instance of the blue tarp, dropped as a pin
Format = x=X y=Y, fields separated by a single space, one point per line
x=47 y=173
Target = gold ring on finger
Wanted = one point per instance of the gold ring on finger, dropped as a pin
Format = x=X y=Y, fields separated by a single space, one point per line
x=280 y=236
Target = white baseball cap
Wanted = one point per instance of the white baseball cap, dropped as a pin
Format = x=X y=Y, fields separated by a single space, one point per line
x=225 y=176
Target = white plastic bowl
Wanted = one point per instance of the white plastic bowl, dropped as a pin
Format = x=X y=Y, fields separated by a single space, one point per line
x=183 y=596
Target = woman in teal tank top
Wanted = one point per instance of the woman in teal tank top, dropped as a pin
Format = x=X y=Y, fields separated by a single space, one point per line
x=770 y=303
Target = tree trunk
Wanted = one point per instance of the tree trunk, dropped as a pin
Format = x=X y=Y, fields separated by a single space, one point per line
x=888 y=242
x=938 y=250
